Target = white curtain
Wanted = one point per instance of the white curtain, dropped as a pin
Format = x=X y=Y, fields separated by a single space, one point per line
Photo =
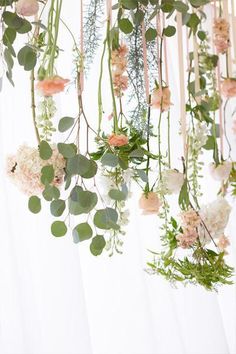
x=56 y=298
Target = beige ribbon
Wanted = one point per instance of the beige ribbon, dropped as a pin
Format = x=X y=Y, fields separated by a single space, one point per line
x=233 y=24
x=229 y=55
x=145 y=64
x=196 y=68
x=81 y=47
x=181 y=82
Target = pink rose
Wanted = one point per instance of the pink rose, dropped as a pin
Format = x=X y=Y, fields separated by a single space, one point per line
x=150 y=203
x=118 y=140
x=27 y=7
x=220 y=172
x=228 y=88
x=51 y=86
x=161 y=99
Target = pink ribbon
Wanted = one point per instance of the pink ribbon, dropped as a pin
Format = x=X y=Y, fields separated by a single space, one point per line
x=165 y=53
x=158 y=29
x=145 y=64
x=219 y=89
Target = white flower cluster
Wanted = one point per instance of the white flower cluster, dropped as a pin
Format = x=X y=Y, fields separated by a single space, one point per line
x=199 y=138
x=24 y=168
x=215 y=216
x=46 y=111
x=172 y=181
x=220 y=172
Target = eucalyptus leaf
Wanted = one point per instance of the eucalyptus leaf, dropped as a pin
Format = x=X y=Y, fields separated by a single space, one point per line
x=34 y=204
x=58 y=228
x=82 y=232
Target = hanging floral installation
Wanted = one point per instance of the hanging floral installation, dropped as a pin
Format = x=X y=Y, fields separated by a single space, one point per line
x=140 y=41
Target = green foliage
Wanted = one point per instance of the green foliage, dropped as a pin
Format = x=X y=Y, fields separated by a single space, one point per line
x=106 y=219
x=82 y=232
x=125 y=25
x=47 y=174
x=67 y=150
x=57 y=207
x=65 y=124
x=97 y=245
x=58 y=228
x=34 y=204
x=45 y=150
x=27 y=58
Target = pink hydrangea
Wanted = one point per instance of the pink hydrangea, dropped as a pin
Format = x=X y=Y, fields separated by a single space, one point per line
x=221 y=35
x=187 y=238
x=119 y=66
x=190 y=219
x=223 y=243
x=24 y=169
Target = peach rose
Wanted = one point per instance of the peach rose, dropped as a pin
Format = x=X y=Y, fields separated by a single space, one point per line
x=150 y=203
x=118 y=140
x=52 y=85
x=27 y=7
x=228 y=88
x=161 y=99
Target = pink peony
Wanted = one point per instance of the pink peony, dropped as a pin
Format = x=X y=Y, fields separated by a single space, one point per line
x=187 y=238
x=190 y=219
x=24 y=169
x=221 y=35
x=51 y=86
x=150 y=203
x=220 y=172
x=118 y=140
x=119 y=66
x=161 y=99
x=228 y=88
x=27 y=7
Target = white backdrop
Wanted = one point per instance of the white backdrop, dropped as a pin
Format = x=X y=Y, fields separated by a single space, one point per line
x=55 y=298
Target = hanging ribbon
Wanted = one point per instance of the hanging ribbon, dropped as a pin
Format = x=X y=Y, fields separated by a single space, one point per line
x=181 y=82
x=145 y=63
x=218 y=74
x=165 y=52
x=81 y=47
x=158 y=29
x=109 y=11
x=229 y=55
x=233 y=24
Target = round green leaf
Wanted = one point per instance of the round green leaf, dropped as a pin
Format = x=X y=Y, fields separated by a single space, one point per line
x=25 y=26
x=78 y=165
x=65 y=124
x=67 y=150
x=106 y=218
x=47 y=174
x=27 y=58
x=116 y=195
x=82 y=232
x=169 y=31
x=150 y=34
x=45 y=150
x=109 y=159
x=97 y=245
x=51 y=192
x=129 y=4
x=92 y=170
x=57 y=207
x=58 y=228
x=34 y=204
x=125 y=25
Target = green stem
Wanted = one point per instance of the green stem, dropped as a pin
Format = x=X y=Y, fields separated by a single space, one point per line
x=33 y=106
x=115 y=118
x=100 y=109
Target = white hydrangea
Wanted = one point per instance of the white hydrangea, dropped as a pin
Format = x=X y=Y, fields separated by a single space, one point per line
x=200 y=136
x=172 y=181
x=215 y=216
x=220 y=172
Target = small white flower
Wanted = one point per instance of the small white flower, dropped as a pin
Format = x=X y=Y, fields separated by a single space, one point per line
x=200 y=136
x=172 y=181
x=220 y=172
x=215 y=216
